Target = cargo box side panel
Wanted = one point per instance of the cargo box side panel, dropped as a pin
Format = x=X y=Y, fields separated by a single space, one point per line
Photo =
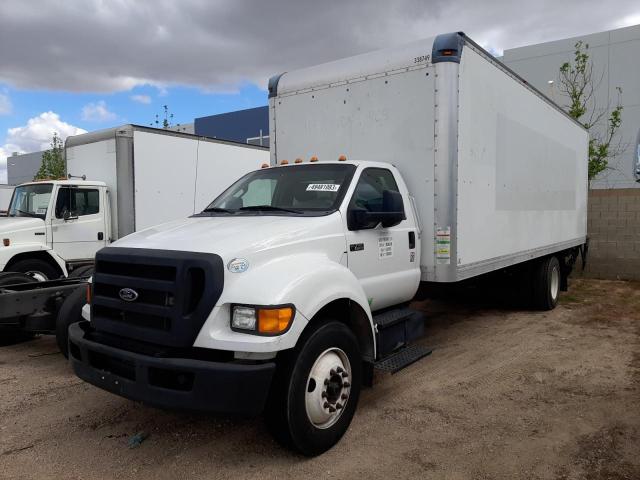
x=220 y=165
x=385 y=117
x=97 y=160
x=165 y=176
x=522 y=171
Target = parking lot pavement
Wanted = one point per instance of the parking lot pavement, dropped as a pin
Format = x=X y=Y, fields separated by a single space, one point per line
x=505 y=394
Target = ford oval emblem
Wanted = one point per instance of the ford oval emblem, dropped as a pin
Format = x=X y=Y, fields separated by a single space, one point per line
x=128 y=294
x=238 y=265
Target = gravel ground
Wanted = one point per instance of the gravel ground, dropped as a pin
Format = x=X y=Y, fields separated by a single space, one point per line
x=506 y=394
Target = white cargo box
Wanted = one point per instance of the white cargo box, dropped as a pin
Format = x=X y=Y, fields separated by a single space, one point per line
x=497 y=170
x=155 y=176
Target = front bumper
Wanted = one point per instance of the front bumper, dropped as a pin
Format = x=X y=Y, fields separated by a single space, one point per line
x=173 y=383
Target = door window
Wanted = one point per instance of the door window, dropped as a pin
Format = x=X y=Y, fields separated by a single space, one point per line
x=77 y=201
x=368 y=192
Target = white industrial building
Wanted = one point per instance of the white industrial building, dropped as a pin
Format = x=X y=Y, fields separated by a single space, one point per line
x=616 y=58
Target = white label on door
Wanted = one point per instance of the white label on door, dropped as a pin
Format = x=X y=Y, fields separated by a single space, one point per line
x=322 y=187
x=385 y=246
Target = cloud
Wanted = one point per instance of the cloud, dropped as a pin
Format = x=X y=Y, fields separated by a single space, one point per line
x=36 y=134
x=221 y=45
x=5 y=104
x=97 y=112
x=145 y=99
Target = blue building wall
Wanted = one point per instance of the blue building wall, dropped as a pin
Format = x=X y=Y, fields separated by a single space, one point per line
x=237 y=126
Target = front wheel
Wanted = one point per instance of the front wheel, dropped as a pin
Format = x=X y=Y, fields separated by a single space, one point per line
x=70 y=312
x=316 y=390
x=36 y=268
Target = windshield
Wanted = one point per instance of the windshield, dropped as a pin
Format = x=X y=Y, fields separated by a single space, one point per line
x=31 y=200
x=297 y=189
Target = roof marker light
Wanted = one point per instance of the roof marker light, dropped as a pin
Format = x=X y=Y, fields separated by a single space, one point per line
x=284 y=162
x=298 y=160
x=313 y=159
x=265 y=165
x=342 y=158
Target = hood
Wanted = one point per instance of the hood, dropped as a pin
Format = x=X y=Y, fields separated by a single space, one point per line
x=14 y=224
x=23 y=230
x=243 y=236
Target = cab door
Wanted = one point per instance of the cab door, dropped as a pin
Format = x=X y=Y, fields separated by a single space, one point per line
x=385 y=260
x=78 y=226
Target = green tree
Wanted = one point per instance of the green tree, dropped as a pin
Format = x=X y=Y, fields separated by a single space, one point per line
x=53 y=164
x=577 y=83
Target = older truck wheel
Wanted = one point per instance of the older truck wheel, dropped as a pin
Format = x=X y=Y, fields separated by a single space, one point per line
x=70 y=312
x=38 y=269
x=315 y=392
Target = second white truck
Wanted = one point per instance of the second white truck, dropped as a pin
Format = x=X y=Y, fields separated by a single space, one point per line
x=120 y=180
x=431 y=162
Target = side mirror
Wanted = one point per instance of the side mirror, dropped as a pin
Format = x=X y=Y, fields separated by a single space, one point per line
x=66 y=215
x=391 y=215
x=393 y=208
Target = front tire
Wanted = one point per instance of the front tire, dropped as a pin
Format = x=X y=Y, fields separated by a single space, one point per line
x=36 y=268
x=316 y=390
x=546 y=283
x=70 y=312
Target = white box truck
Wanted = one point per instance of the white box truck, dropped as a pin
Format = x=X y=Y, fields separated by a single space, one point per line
x=431 y=162
x=121 y=180
x=6 y=191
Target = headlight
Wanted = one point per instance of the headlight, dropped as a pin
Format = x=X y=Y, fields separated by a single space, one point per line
x=244 y=318
x=262 y=320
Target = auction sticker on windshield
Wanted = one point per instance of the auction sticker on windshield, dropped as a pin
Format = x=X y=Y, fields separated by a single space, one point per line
x=322 y=187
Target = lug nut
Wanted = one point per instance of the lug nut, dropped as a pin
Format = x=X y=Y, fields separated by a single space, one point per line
x=346 y=384
x=323 y=394
x=338 y=406
x=339 y=370
x=344 y=396
x=326 y=405
x=332 y=372
x=345 y=374
x=331 y=409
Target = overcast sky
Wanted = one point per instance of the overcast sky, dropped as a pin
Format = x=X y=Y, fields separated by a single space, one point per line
x=89 y=64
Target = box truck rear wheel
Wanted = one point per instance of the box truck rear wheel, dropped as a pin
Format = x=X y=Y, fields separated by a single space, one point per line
x=316 y=390
x=546 y=283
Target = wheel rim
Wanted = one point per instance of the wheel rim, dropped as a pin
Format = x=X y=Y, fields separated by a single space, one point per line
x=555 y=282
x=328 y=388
x=39 y=276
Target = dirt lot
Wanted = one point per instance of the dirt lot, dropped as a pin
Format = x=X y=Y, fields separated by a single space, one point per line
x=506 y=394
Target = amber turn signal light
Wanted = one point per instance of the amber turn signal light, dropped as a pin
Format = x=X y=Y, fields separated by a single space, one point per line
x=274 y=320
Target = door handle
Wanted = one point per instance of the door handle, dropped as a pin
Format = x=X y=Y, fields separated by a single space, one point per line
x=412 y=240
x=100 y=235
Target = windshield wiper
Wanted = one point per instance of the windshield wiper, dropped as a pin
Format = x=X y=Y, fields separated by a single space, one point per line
x=28 y=214
x=267 y=208
x=218 y=210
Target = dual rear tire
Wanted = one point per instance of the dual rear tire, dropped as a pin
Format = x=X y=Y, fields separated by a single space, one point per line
x=546 y=278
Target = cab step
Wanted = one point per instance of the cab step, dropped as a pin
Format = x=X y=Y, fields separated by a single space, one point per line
x=402 y=358
x=396 y=328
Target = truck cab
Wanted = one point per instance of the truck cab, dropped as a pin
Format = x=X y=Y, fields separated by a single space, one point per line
x=274 y=283
x=54 y=225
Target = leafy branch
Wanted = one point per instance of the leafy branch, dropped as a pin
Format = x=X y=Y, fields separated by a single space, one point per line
x=578 y=84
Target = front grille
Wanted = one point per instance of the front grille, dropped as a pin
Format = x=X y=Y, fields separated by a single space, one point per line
x=133 y=318
x=157 y=296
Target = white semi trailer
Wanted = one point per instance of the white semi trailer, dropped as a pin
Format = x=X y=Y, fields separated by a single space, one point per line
x=431 y=162
x=120 y=180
